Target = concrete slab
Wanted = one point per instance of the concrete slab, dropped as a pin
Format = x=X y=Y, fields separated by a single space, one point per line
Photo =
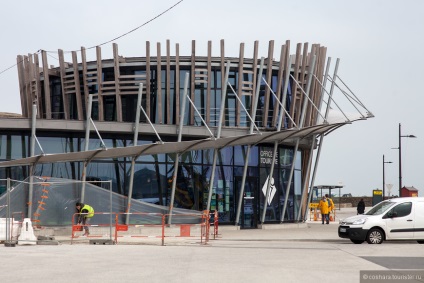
x=48 y=242
x=311 y=254
x=101 y=242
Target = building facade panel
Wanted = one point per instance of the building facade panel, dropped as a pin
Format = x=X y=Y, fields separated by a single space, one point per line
x=113 y=84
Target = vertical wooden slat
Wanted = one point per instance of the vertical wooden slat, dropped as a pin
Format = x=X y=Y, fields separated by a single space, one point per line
x=38 y=82
x=222 y=47
x=77 y=85
x=168 y=83
x=148 y=85
x=239 y=83
x=279 y=85
x=302 y=82
x=27 y=86
x=99 y=83
x=288 y=69
x=29 y=76
x=315 y=84
x=318 y=89
x=319 y=74
x=21 y=77
x=268 y=80
x=159 y=86
x=84 y=77
x=177 y=84
x=62 y=80
x=47 y=100
x=254 y=77
x=117 y=83
x=296 y=68
x=310 y=106
x=193 y=77
x=208 y=90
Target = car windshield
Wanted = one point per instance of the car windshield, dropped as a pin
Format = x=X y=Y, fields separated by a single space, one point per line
x=380 y=208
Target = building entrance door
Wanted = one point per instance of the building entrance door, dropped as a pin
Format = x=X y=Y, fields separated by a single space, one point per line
x=249 y=207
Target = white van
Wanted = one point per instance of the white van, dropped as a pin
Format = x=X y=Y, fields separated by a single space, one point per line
x=394 y=219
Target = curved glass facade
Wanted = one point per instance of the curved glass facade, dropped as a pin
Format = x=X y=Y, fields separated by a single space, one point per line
x=153 y=175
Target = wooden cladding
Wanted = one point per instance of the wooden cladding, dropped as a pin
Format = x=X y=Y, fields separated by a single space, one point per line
x=162 y=78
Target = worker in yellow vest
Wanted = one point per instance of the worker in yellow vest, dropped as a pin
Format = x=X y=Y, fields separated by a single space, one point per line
x=325 y=210
x=86 y=212
x=330 y=206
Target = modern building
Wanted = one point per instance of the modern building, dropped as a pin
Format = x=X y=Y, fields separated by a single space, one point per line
x=251 y=124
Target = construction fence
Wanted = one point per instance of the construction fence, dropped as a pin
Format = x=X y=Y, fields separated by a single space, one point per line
x=145 y=228
x=48 y=205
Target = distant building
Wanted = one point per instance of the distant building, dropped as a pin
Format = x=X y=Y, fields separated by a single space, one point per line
x=408 y=192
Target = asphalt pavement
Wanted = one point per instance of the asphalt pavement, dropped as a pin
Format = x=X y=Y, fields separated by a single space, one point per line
x=307 y=252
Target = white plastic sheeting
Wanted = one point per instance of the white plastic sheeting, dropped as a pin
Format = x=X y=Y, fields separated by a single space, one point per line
x=54 y=204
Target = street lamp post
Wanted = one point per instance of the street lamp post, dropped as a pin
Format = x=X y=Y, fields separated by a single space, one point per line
x=400 y=156
x=384 y=178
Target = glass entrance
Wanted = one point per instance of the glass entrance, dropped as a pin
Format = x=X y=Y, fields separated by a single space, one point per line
x=249 y=207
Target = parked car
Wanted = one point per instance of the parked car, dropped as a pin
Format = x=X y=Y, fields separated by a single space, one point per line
x=394 y=219
x=347 y=195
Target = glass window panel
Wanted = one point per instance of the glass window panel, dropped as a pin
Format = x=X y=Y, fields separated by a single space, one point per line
x=218 y=78
x=283 y=184
x=286 y=157
x=57 y=145
x=297 y=191
x=192 y=157
x=298 y=164
x=189 y=185
x=17 y=147
x=149 y=158
x=65 y=170
x=222 y=198
x=3 y=146
x=150 y=183
x=273 y=199
x=240 y=153
x=266 y=156
x=106 y=171
x=16 y=173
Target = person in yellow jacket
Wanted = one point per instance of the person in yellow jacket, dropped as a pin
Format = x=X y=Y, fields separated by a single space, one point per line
x=325 y=210
x=330 y=204
x=86 y=212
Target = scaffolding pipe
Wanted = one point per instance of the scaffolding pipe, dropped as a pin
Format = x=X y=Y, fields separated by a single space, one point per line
x=110 y=210
x=305 y=184
x=246 y=161
x=87 y=140
x=8 y=212
x=177 y=155
x=218 y=135
x=321 y=141
x=280 y=120
x=302 y=119
x=31 y=168
x=135 y=141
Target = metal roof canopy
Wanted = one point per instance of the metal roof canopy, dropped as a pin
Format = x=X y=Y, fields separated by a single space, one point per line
x=329 y=188
x=172 y=147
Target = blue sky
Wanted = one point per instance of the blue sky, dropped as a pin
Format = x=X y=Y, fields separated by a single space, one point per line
x=379 y=44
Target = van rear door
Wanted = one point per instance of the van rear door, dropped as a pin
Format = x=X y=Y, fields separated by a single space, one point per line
x=419 y=220
x=400 y=221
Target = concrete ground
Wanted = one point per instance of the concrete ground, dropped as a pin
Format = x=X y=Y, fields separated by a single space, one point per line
x=308 y=252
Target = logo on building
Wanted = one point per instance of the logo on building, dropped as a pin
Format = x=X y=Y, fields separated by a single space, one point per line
x=272 y=190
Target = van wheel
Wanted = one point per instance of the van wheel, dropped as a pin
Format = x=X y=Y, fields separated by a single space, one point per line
x=420 y=242
x=375 y=236
x=357 y=241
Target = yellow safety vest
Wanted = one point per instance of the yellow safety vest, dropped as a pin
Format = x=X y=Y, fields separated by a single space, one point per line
x=90 y=211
